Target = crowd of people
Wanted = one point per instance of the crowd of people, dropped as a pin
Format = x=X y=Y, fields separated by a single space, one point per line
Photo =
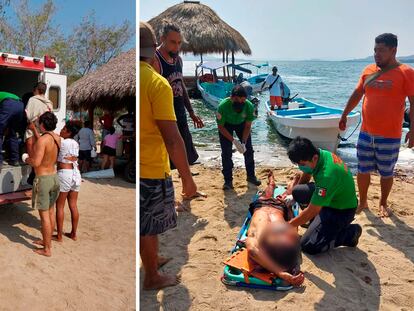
x=329 y=203
x=56 y=160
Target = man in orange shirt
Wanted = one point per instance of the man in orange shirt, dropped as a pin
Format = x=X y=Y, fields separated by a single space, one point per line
x=385 y=84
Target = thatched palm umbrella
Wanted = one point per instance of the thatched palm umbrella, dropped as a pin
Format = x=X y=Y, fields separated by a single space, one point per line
x=111 y=86
x=204 y=31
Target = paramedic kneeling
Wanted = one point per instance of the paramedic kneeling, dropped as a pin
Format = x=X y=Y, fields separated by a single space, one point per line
x=331 y=199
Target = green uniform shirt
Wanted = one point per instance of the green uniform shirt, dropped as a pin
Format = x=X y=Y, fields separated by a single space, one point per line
x=226 y=114
x=5 y=95
x=334 y=183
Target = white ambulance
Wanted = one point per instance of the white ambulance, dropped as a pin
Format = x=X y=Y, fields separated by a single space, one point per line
x=18 y=75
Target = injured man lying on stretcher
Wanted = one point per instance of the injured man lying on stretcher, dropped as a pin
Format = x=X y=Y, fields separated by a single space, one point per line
x=271 y=241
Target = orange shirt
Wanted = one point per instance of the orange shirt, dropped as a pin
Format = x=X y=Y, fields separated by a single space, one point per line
x=384 y=103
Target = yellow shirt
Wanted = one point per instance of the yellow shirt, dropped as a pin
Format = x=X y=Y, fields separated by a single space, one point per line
x=155 y=103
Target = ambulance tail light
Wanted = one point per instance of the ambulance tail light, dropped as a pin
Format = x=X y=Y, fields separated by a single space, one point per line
x=50 y=62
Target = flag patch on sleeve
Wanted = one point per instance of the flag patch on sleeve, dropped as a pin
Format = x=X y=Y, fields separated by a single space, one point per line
x=321 y=192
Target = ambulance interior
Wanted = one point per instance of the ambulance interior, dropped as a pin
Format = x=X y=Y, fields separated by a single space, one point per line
x=17 y=81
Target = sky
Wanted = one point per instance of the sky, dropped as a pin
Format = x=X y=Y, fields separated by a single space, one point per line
x=108 y=12
x=309 y=29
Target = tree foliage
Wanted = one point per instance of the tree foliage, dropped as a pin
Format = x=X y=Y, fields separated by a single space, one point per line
x=87 y=46
x=32 y=32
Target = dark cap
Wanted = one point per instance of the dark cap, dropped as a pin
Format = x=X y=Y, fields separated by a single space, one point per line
x=147 y=40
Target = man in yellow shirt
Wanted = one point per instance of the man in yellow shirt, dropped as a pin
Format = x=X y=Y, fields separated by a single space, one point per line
x=159 y=138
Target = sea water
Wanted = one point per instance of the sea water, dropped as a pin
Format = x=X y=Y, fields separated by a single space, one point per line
x=328 y=83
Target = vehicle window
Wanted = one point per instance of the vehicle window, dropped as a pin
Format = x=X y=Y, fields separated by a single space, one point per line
x=54 y=96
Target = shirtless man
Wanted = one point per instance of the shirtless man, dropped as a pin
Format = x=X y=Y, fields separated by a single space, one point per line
x=46 y=182
x=272 y=242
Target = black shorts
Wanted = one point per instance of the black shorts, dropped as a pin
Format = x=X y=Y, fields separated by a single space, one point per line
x=85 y=155
x=274 y=203
x=109 y=151
x=156 y=206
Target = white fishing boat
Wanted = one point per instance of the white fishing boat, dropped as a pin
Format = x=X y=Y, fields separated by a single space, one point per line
x=316 y=122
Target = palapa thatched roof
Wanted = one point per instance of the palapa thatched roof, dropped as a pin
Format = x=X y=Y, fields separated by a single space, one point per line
x=111 y=86
x=204 y=31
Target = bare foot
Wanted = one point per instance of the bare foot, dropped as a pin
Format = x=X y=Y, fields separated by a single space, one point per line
x=198 y=194
x=385 y=211
x=162 y=261
x=270 y=178
x=161 y=281
x=39 y=242
x=361 y=207
x=71 y=236
x=57 y=238
x=43 y=252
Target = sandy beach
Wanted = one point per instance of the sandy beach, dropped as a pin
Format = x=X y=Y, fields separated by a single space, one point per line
x=97 y=272
x=378 y=275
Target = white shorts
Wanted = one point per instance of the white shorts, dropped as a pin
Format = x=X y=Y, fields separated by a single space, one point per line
x=70 y=180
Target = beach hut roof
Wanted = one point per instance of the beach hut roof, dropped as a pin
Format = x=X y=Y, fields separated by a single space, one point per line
x=203 y=30
x=111 y=86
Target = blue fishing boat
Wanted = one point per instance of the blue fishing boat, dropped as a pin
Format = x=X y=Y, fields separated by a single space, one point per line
x=254 y=79
x=213 y=89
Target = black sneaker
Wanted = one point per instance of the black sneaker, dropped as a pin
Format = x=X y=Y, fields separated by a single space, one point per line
x=228 y=186
x=355 y=239
x=253 y=180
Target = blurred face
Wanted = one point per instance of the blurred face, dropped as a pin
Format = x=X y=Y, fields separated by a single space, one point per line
x=171 y=43
x=383 y=54
x=238 y=103
x=280 y=233
x=274 y=72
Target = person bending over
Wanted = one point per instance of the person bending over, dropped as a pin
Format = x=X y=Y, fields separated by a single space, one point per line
x=271 y=241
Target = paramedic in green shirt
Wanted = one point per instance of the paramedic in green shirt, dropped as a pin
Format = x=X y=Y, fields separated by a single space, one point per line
x=11 y=117
x=331 y=199
x=236 y=114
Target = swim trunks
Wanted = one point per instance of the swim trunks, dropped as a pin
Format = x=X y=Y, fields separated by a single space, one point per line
x=45 y=191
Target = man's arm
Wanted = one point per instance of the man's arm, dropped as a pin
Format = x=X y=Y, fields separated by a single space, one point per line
x=92 y=139
x=352 y=103
x=31 y=126
x=225 y=132
x=410 y=135
x=198 y=123
x=176 y=150
x=304 y=178
x=246 y=131
x=308 y=213
x=39 y=151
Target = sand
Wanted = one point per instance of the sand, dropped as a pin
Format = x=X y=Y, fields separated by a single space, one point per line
x=97 y=272
x=378 y=275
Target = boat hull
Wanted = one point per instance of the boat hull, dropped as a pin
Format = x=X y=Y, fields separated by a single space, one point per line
x=322 y=130
x=211 y=100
